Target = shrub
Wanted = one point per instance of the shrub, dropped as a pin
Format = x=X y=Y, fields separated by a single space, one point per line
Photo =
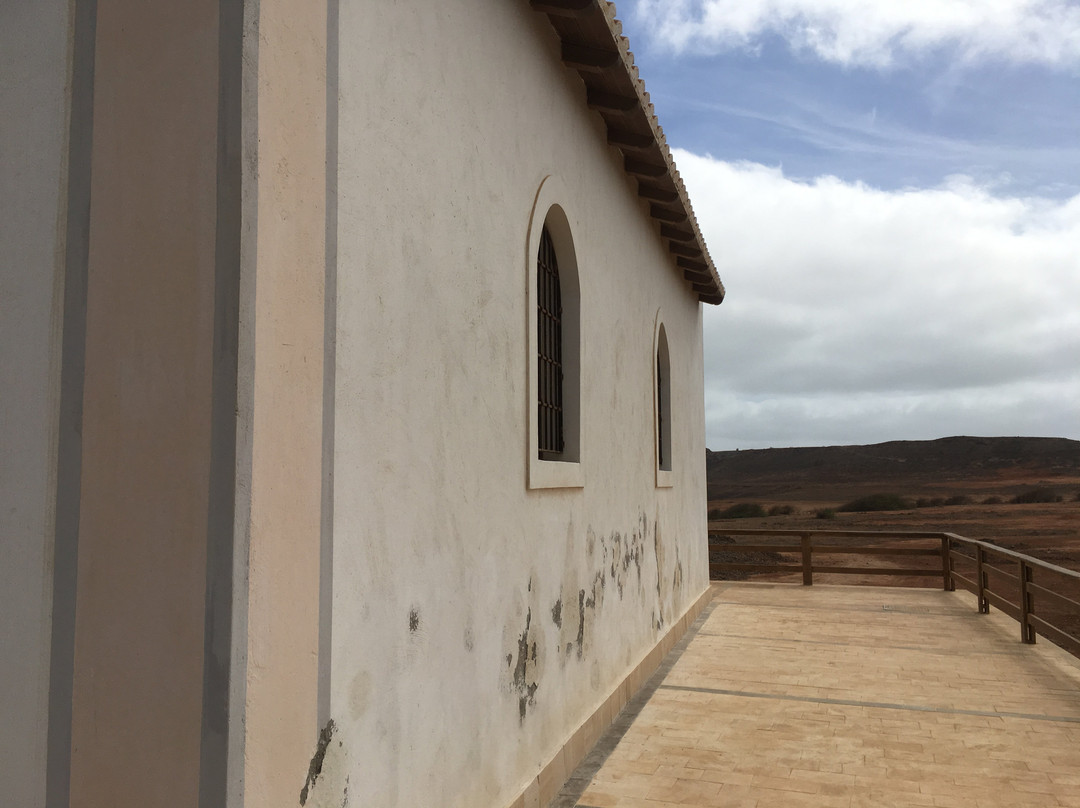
x=826 y=513
x=921 y=502
x=992 y=501
x=959 y=499
x=742 y=510
x=1036 y=495
x=714 y=513
x=879 y=502
x=781 y=510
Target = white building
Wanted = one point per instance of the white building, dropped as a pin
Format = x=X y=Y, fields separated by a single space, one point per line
x=316 y=487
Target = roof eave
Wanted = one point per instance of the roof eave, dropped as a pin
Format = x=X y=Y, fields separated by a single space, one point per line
x=593 y=45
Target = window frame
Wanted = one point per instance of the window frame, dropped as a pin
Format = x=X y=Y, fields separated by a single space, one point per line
x=550 y=211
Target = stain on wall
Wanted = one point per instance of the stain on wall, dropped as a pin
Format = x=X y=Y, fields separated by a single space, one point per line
x=359 y=695
x=580 y=641
x=658 y=550
x=577 y=609
x=669 y=576
x=624 y=552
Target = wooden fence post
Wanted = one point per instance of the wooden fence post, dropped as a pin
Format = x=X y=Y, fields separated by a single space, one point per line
x=947 y=582
x=981 y=577
x=807 y=565
x=1027 y=631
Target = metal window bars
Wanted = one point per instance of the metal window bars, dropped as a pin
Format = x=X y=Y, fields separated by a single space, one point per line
x=660 y=411
x=551 y=440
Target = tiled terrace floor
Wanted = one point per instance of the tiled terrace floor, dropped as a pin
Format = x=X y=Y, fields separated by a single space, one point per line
x=844 y=696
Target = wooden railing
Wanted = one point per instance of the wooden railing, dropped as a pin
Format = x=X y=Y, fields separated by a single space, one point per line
x=1042 y=597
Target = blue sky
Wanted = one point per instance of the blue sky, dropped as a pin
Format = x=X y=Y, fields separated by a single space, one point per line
x=891 y=192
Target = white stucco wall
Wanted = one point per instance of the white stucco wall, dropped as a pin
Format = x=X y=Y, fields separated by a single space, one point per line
x=34 y=65
x=476 y=622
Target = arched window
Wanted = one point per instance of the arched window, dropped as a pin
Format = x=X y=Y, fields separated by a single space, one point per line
x=663 y=403
x=662 y=407
x=554 y=344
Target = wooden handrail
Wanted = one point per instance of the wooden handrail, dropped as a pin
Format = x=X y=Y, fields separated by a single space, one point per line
x=1034 y=562
x=877 y=534
x=991 y=581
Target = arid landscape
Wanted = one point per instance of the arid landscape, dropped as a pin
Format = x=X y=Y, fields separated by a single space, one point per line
x=982 y=476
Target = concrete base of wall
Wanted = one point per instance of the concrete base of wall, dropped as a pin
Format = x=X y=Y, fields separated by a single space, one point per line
x=546 y=785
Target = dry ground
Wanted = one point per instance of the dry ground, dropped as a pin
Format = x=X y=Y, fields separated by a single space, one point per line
x=1048 y=531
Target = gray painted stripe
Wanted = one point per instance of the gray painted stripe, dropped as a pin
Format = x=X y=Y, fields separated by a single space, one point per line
x=72 y=375
x=1061 y=719
x=326 y=564
x=869 y=644
x=220 y=524
x=248 y=148
x=943 y=611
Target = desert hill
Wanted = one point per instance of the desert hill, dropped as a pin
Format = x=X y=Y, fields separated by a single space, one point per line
x=910 y=467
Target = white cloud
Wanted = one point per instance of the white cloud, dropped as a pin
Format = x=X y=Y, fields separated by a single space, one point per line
x=856 y=314
x=876 y=32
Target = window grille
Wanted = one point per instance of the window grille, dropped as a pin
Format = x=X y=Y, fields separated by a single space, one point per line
x=549 y=351
x=660 y=410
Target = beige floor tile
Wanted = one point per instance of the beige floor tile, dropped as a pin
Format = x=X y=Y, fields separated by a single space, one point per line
x=852 y=696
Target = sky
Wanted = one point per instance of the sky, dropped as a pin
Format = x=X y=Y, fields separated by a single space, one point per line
x=891 y=194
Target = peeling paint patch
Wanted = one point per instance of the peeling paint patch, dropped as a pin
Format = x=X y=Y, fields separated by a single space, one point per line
x=527 y=667
x=556 y=613
x=414 y=620
x=327 y=785
x=316 y=766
